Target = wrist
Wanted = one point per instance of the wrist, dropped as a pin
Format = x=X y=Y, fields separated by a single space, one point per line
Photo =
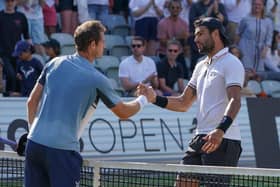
x=161 y=101
x=142 y=100
x=225 y=123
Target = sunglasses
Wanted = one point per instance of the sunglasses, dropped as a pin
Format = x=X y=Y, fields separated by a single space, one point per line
x=175 y=8
x=173 y=50
x=136 y=45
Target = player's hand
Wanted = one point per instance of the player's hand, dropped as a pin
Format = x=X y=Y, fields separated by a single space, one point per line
x=148 y=91
x=213 y=140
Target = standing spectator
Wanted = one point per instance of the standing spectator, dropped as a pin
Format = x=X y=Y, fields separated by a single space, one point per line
x=236 y=10
x=273 y=11
x=146 y=14
x=52 y=48
x=121 y=7
x=33 y=11
x=170 y=72
x=13 y=27
x=50 y=17
x=28 y=68
x=173 y=27
x=200 y=9
x=255 y=36
x=186 y=4
x=137 y=68
x=98 y=9
x=69 y=15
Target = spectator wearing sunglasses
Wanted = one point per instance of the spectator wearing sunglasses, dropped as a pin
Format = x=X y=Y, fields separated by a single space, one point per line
x=138 y=68
x=170 y=72
x=173 y=27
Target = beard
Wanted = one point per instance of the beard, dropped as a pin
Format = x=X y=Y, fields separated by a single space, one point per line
x=207 y=46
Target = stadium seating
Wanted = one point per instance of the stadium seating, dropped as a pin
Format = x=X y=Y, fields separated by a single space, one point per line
x=106 y=62
x=120 y=50
x=112 y=20
x=66 y=41
x=112 y=40
x=271 y=87
x=254 y=86
x=122 y=30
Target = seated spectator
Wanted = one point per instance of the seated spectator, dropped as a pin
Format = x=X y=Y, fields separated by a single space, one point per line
x=170 y=72
x=28 y=68
x=272 y=60
x=52 y=48
x=173 y=27
x=137 y=68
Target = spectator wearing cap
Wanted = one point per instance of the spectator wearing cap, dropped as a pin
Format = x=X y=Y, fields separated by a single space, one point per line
x=52 y=48
x=13 y=27
x=28 y=68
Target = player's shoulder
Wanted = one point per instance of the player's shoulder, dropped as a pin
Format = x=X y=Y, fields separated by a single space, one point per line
x=233 y=61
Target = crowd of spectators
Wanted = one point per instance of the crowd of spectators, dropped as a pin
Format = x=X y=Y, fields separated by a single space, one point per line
x=252 y=26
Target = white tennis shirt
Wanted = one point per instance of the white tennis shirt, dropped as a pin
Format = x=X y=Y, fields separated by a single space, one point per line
x=211 y=81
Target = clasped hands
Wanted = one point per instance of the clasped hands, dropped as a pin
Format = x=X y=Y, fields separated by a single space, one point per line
x=147 y=91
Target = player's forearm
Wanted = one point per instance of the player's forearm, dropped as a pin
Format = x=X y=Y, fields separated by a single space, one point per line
x=233 y=108
x=180 y=103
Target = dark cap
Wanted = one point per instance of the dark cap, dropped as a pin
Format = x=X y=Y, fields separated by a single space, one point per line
x=21 y=46
x=53 y=43
x=212 y=24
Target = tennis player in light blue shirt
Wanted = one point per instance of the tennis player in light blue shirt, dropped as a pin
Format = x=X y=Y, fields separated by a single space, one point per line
x=61 y=103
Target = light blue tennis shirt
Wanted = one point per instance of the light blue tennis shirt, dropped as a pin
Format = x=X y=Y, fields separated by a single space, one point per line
x=71 y=86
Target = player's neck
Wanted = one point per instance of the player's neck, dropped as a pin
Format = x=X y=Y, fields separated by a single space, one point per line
x=87 y=56
x=217 y=48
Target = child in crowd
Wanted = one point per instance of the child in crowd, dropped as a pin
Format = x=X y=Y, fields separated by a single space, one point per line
x=52 y=48
x=28 y=68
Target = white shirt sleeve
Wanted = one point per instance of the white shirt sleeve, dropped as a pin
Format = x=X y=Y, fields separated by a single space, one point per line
x=235 y=73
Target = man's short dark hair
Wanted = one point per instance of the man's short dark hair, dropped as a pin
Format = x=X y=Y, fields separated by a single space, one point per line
x=213 y=24
x=86 y=33
x=174 y=42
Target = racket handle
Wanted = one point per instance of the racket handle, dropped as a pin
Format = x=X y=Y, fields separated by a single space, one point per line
x=11 y=143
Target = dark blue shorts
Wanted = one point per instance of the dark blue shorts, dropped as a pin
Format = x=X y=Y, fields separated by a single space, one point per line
x=147 y=28
x=66 y=5
x=45 y=166
x=226 y=155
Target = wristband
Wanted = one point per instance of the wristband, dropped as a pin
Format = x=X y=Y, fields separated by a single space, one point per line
x=161 y=101
x=225 y=123
x=142 y=100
